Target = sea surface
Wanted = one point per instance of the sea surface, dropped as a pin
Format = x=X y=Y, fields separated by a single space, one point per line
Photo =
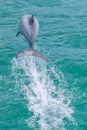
x=39 y=95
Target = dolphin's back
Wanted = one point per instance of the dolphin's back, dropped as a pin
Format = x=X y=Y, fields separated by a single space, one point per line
x=29 y=28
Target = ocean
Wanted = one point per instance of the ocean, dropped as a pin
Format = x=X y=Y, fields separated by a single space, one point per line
x=39 y=95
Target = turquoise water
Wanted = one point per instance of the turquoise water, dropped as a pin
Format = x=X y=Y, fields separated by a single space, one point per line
x=35 y=95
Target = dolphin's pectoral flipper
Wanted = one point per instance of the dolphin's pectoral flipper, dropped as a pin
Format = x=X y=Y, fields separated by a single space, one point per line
x=17 y=33
x=31 y=52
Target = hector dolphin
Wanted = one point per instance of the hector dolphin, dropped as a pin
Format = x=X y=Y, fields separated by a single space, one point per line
x=29 y=27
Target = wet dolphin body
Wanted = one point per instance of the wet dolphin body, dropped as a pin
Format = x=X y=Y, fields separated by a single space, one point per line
x=29 y=27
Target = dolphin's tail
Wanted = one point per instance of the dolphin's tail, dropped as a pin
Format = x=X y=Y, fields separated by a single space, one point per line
x=31 y=52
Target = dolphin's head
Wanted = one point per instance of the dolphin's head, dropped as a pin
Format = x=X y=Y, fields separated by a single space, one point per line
x=29 y=27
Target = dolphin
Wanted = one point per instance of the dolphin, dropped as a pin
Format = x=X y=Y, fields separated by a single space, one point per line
x=29 y=27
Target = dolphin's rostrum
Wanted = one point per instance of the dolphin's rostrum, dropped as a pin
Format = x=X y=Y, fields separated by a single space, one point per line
x=29 y=27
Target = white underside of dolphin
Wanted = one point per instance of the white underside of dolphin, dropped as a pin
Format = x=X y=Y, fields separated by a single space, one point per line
x=29 y=27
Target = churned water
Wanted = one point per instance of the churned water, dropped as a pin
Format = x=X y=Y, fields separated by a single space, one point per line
x=35 y=95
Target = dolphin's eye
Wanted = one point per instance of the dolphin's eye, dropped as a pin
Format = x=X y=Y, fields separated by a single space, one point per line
x=31 y=20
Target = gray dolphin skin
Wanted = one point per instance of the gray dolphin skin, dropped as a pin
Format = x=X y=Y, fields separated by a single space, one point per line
x=29 y=27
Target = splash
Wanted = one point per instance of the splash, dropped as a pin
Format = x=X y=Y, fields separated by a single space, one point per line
x=45 y=90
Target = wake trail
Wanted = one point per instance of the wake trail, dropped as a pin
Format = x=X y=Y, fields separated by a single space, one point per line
x=45 y=90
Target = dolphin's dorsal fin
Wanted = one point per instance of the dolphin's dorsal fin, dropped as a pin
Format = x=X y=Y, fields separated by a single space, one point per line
x=31 y=20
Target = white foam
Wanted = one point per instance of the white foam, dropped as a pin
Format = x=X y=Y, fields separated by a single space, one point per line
x=49 y=102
